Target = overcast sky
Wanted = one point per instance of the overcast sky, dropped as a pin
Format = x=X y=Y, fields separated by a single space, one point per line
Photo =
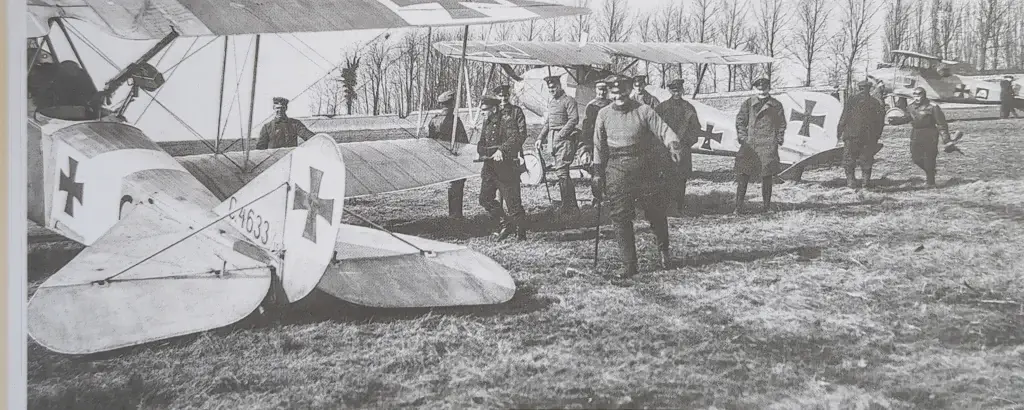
x=288 y=65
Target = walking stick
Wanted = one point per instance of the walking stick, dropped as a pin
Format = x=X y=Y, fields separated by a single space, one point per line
x=544 y=172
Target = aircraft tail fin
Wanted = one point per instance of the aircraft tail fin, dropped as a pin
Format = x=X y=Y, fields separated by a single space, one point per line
x=293 y=209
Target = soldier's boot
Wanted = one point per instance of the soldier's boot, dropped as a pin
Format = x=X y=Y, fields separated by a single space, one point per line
x=521 y=232
x=766 y=194
x=866 y=173
x=508 y=227
x=741 y=193
x=661 y=235
x=930 y=178
x=627 y=246
x=681 y=202
x=568 y=191
x=455 y=196
x=851 y=178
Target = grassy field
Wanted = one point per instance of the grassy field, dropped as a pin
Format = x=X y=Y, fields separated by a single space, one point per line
x=893 y=298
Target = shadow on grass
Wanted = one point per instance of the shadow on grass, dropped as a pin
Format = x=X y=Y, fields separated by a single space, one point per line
x=127 y=394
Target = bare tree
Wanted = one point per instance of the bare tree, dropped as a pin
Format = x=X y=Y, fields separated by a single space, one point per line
x=613 y=25
x=665 y=29
x=349 y=81
x=325 y=96
x=897 y=26
x=857 y=30
x=733 y=29
x=552 y=26
x=772 y=17
x=934 y=25
x=580 y=24
x=750 y=72
x=504 y=31
x=702 y=24
x=378 y=55
x=951 y=25
x=529 y=31
x=810 y=33
x=919 y=31
x=988 y=20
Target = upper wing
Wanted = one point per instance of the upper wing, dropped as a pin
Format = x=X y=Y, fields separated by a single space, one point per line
x=371 y=167
x=563 y=53
x=153 y=19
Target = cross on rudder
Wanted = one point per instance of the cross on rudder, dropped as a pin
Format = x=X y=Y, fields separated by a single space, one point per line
x=74 y=189
x=807 y=118
x=312 y=202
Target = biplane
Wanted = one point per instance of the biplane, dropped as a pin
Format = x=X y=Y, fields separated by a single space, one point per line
x=811 y=138
x=180 y=245
x=943 y=80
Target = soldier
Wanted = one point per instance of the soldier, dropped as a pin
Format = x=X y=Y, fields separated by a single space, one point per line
x=760 y=129
x=1006 y=98
x=589 y=117
x=282 y=131
x=682 y=117
x=560 y=126
x=929 y=123
x=501 y=140
x=440 y=128
x=860 y=127
x=640 y=94
x=630 y=152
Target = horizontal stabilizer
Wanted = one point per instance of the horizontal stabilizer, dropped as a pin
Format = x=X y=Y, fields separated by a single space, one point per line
x=153 y=276
x=374 y=268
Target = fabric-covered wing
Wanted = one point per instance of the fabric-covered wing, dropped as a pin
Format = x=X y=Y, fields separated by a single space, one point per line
x=570 y=54
x=373 y=268
x=146 y=280
x=153 y=19
x=371 y=167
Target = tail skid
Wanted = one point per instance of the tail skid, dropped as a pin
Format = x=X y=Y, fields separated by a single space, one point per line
x=293 y=210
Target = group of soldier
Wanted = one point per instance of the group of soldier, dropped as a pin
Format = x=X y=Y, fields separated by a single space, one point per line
x=640 y=149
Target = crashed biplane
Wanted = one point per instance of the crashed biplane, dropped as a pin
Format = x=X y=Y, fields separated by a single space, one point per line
x=811 y=138
x=943 y=81
x=176 y=246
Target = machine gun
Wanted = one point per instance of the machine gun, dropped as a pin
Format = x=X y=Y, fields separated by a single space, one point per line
x=142 y=74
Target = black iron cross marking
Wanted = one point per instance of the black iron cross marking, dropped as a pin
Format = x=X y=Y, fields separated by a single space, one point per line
x=961 y=91
x=312 y=202
x=709 y=135
x=807 y=119
x=74 y=189
x=453 y=7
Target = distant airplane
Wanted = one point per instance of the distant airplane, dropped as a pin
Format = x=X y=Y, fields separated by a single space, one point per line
x=182 y=245
x=943 y=80
x=811 y=137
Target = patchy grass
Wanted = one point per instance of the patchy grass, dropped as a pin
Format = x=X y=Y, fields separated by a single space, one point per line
x=898 y=297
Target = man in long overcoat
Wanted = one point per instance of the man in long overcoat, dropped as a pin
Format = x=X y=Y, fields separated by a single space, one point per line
x=560 y=133
x=929 y=125
x=681 y=116
x=760 y=128
x=860 y=127
x=501 y=140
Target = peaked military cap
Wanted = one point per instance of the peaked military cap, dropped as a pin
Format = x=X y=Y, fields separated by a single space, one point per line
x=617 y=83
x=445 y=97
x=865 y=84
x=553 y=79
x=762 y=82
x=640 y=79
x=676 y=84
x=489 y=99
x=280 y=100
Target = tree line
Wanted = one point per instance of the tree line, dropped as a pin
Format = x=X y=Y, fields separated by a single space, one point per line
x=832 y=41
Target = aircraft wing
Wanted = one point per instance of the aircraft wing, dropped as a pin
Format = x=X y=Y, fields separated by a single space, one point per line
x=563 y=53
x=152 y=19
x=154 y=275
x=371 y=167
x=377 y=269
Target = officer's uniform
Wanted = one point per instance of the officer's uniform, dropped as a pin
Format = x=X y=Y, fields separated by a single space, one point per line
x=503 y=129
x=860 y=128
x=760 y=129
x=282 y=131
x=681 y=116
x=560 y=130
x=640 y=94
x=587 y=136
x=929 y=124
x=631 y=154
x=440 y=128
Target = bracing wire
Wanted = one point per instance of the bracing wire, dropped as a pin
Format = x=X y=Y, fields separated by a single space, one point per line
x=381 y=228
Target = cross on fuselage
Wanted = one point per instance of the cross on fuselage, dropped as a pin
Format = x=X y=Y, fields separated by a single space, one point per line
x=960 y=91
x=74 y=189
x=807 y=118
x=312 y=202
x=709 y=135
x=453 y=7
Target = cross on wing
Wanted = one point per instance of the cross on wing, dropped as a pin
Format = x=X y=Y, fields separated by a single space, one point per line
x=312 y=202
x=455 y=8
x=709 y=135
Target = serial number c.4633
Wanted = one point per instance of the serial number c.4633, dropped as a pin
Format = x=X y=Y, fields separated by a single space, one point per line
x=250 y=221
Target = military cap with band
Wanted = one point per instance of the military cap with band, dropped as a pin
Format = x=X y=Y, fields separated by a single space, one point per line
x=762 y=82
x=553 y=79
x=280 y=100
x=490 y=98
x=619 y=82
x=640 y=79
x=501 y=91
x=676 y=84
x=864 y=84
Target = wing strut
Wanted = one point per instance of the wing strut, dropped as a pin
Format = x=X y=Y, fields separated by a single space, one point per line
x=252 y=102
x=458 y=87
x=220 y=106
x=423 y=81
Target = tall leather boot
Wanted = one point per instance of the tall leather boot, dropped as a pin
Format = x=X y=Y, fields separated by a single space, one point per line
x=741 y=192
x=660 y=229
x=851 y=178
x=866 y=173
x=766 y=193
x=455 y=196
x=627 y=246
x=931 y=178
x=568 y=191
